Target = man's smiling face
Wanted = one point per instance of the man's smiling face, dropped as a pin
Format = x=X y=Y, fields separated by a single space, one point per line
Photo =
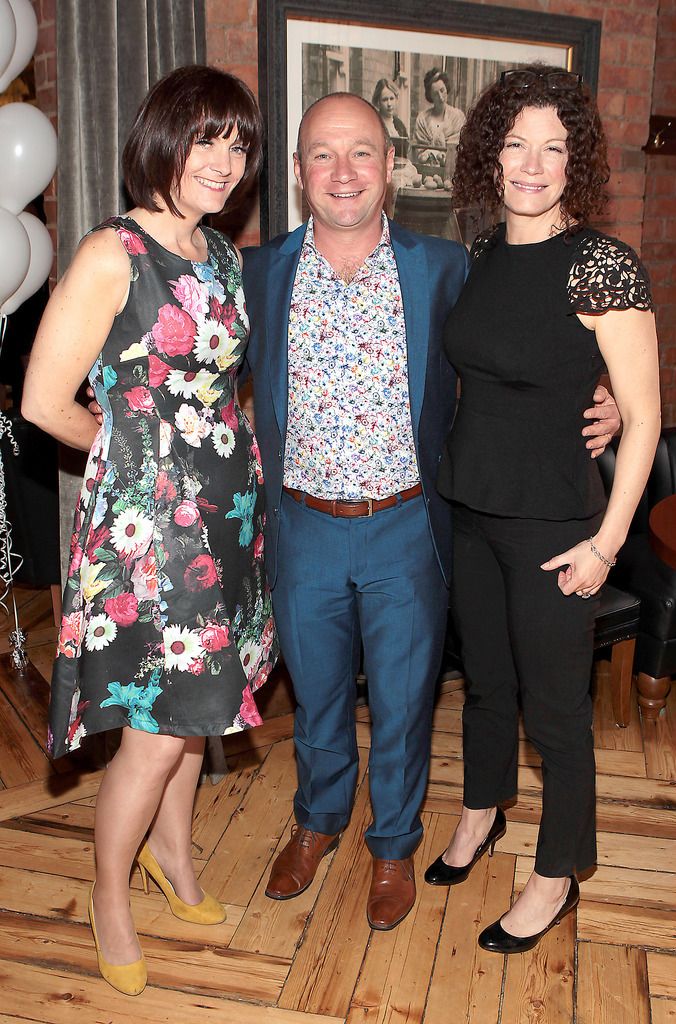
x=344 y=165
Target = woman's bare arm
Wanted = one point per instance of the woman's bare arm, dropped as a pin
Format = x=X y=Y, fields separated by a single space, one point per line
x=71 y=334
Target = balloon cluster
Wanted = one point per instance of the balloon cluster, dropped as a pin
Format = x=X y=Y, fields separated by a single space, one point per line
x=27 y=165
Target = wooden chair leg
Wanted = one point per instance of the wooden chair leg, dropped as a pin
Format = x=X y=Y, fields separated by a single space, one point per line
x=215 y=763
x=56 y=602
x=621 y=661
x=652 y=694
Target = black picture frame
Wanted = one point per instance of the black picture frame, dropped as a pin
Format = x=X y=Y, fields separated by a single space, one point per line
x=579 y=36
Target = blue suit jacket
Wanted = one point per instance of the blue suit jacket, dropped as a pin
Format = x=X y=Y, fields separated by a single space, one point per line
x=431 y=273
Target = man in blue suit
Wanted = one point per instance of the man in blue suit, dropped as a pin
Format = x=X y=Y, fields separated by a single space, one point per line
x=353 y=399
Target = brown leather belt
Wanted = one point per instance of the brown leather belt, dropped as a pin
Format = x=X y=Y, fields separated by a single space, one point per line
x=352 y=509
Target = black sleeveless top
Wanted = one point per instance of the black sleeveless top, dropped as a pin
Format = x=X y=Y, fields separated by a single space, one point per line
x=528 y=369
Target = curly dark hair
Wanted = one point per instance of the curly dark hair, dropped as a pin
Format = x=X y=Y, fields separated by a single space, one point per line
x=478 y=179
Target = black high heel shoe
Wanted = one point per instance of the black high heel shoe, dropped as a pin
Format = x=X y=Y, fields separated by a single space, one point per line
x=441 y=873
x=496 y=940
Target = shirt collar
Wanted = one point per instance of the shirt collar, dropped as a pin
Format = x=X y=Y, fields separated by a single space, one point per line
x=385 y=239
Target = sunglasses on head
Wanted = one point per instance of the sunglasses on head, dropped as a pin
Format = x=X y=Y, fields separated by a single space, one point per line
x=557 y=81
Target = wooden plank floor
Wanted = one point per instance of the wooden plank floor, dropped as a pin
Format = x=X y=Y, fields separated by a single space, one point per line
x=314 y=960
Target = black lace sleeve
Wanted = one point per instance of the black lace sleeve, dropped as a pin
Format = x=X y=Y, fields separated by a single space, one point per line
x=607 y=274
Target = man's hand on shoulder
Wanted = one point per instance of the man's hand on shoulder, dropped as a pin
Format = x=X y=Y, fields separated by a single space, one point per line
x=606 y=421
x=94 y=407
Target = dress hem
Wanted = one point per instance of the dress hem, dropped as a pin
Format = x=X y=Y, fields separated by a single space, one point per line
x=180 y=731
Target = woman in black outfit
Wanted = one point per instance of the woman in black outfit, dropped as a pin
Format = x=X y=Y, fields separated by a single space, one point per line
x=547 y=303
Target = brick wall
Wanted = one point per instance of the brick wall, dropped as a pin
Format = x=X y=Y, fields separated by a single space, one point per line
x=45 y=91
x=643 y=210
x=643 y=207
x=659 y=216
x=625 y=85
x=232 y=44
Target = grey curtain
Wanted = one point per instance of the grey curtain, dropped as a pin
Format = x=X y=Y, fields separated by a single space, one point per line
x=109 y=53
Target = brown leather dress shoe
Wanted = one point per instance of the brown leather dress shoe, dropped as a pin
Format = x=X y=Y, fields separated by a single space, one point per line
x=297 y=864
x=392 y=893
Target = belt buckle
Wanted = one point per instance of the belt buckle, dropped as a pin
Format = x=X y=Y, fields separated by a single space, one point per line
x=369 y=502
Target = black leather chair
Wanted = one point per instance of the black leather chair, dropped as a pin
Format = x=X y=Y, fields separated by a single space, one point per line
x=643 y=574
x=616 y=626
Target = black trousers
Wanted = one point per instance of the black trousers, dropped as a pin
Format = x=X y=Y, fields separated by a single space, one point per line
x=523 y=642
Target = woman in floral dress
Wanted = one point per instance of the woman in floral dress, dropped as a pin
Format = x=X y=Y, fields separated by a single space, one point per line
x=167 y=627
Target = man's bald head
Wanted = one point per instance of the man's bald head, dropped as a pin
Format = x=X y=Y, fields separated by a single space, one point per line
x=340 y=97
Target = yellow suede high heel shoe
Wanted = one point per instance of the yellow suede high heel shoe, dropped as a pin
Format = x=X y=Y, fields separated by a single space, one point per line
x=130 y=979
x=207 y=911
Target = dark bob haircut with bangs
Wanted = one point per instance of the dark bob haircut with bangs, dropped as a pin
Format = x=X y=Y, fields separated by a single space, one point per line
x=188 y=104
x=478 y=179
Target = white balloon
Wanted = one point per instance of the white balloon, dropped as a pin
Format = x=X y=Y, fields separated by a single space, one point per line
x=7 y=34
x=15 y=252
x=26 y=38
x=41 y=257
x=27 y=154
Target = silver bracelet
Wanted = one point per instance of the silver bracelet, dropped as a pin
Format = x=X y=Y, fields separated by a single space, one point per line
x=601 y=558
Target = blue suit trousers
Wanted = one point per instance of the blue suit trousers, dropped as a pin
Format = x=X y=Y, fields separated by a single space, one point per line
x=374 y=579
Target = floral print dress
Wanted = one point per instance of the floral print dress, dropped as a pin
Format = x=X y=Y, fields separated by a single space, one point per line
x=167 y=622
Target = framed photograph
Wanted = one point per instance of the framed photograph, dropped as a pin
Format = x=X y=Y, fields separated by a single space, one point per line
x=422 y=64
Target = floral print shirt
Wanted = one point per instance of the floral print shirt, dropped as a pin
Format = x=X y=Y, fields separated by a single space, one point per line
x=349 y=432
